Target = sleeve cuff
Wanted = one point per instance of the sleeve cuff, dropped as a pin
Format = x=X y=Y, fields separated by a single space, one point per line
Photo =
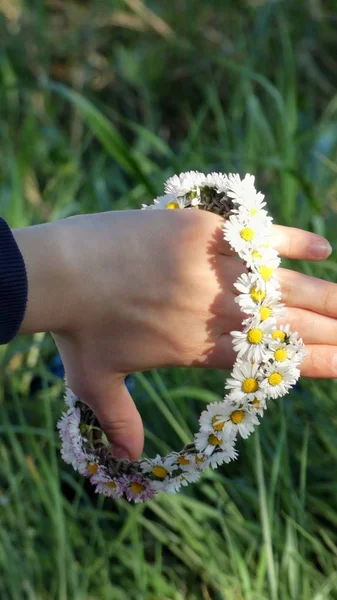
x=13 y=285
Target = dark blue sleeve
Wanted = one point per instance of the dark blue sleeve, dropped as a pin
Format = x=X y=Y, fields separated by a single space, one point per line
x=13 y=285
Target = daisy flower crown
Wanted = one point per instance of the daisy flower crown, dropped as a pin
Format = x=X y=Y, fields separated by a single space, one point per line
x=267 y=363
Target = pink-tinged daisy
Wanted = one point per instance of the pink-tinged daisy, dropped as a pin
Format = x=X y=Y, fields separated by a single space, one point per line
x=137 y=488
x=72 y=447
x=108 y=486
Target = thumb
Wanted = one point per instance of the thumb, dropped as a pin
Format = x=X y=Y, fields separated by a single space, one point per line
x=117 y=414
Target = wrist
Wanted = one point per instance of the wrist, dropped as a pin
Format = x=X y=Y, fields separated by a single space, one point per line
x=44 y=250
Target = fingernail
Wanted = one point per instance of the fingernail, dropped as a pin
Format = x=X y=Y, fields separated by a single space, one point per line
x=120 y=452
x=321 y=249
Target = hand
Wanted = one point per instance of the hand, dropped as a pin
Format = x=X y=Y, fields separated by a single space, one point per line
x=134 y=290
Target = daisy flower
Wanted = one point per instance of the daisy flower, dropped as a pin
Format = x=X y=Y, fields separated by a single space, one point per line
x=112 y=488
x=270 y=308
x=159 y=467
x=281 y=352
x=186 y=462
x=210 y=415
x=185 y=183
x=217 y=180
x=279 y=379
x=220 y=423
x=169 y=201
x=263 y=255
x=226 y=455
x=251 y=342
x=207 y=442
x=236 y=418
x=253 y=213
x=283 y=333
x=72 y=449
x=242 y=235
x=253 y=292
x=137 y=488
x=92 y=467
x=242 y=190
x=70 y=398
x=245 y=380
x=257 y=406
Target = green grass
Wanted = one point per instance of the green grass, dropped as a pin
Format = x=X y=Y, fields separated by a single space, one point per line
x=93 y=117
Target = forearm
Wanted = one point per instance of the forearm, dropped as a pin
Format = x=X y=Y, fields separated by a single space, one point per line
x=43 y=248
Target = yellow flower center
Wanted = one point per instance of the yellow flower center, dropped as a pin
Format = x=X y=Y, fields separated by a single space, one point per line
x=172 y=205
x=253 y=212
x=265 y=313
x=266 y=272
x=247 y=234
x=217 y=426
x=214 y=440
x=278 y=335
x=159 y=472
x=199 y=459
x=237 y=416
x=183 y=461
x=250 y=385
x=275 y=378
x=92 y=468
x=256 y=255
x=137 y=487
x=255 y=336
x=257 y=295
x=256 y=403
x=111 y=484
x=280 y=354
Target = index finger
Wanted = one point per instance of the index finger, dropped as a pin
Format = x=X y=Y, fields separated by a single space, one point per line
x=291 y=242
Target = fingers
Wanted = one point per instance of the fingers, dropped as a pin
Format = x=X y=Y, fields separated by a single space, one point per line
x=119 y=419
x=312 y=327
x=308 y=292
x=291 y=242
x=115 y=410
x=321 y=361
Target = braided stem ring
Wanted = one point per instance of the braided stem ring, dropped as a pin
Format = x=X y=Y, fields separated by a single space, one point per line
x=267 y=363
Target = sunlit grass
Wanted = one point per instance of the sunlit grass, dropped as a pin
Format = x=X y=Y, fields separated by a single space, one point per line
x=227 y=91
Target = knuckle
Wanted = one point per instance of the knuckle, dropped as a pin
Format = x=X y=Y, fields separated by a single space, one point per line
x=329 y=301
x=114 y=427
x=198 y=226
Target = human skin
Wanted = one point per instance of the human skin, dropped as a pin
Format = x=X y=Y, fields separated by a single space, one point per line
x=135 y=290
